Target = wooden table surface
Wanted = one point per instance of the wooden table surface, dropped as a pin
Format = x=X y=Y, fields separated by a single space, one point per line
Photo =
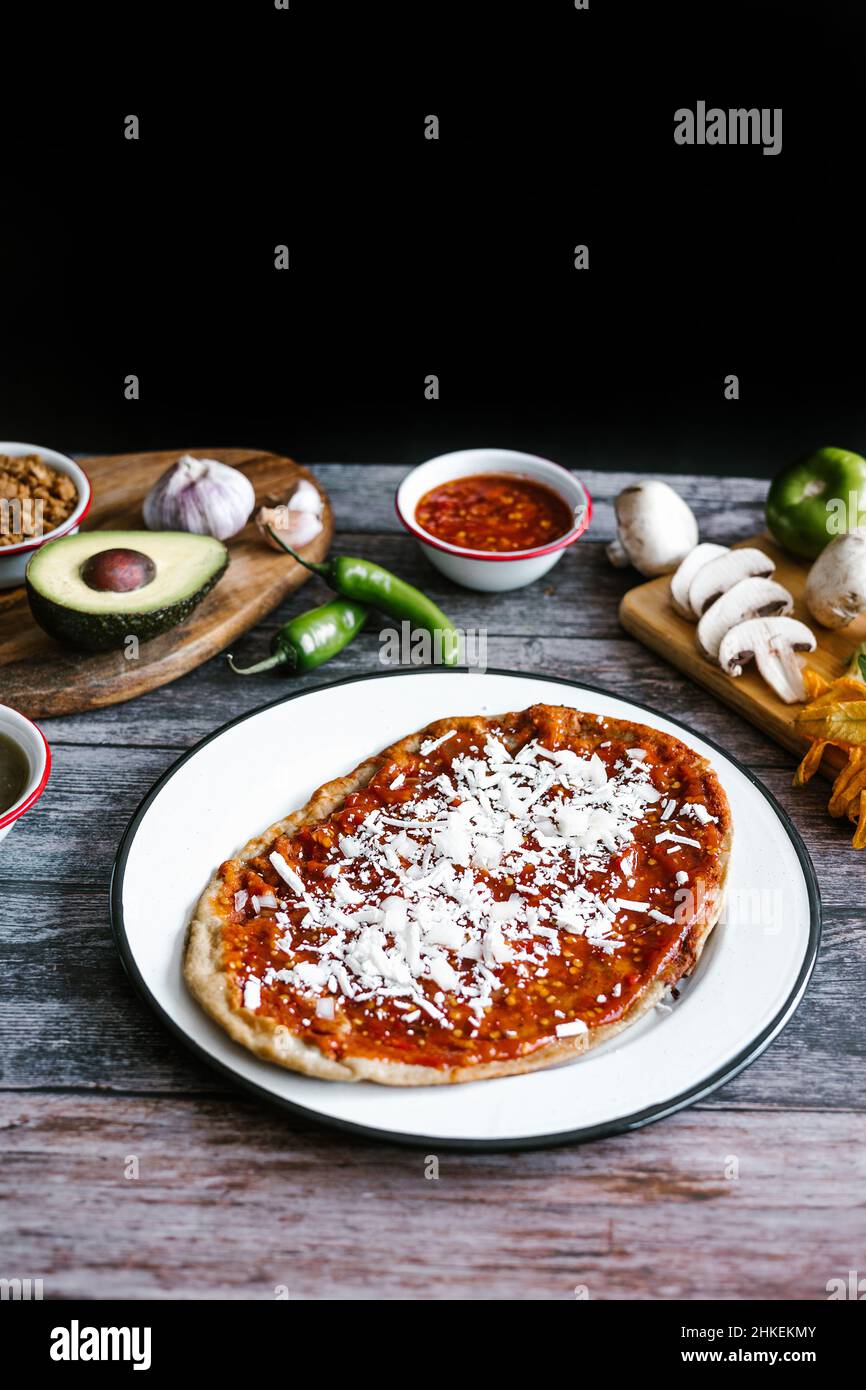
x=234 y=1199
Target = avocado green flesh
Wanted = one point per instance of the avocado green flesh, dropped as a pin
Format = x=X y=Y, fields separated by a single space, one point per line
x=187 y=568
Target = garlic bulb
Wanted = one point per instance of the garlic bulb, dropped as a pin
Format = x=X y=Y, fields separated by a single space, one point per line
x=200 y=495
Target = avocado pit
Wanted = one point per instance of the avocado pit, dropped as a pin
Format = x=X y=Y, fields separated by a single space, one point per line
x=118 y=571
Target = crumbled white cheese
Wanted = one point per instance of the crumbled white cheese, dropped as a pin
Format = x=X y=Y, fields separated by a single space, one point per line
x=262 y=900
x=287 y=873
x=660 y=916
x=677 y=839
x=427 y=899
x=430 y=744
x=571 y=1029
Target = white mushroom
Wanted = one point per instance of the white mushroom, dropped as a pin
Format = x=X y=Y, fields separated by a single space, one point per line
x=723 y=573
x=655 y=528
x=751 y=598
x=773 y=643
x=689 y=566
x=836 y=587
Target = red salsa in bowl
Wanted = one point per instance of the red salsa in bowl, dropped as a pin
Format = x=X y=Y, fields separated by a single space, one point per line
x=495 y=512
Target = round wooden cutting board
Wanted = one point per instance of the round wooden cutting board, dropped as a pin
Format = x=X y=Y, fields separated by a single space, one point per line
x=39 y=677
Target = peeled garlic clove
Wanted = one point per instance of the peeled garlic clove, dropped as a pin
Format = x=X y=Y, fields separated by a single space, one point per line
x=296 y=528
x=306 y=498
x=297 y=521
x=306 y=527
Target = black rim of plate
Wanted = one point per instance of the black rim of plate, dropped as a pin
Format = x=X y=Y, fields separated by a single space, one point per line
x=621 y=1125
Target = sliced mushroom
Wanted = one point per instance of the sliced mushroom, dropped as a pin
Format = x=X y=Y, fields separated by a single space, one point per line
x=681 y=581
x=836 y=587
x=655 y=528
x=723 y=573
x=772 y=642
x=751 y=598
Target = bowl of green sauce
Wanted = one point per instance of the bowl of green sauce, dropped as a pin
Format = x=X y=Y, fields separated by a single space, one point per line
x=25 y=762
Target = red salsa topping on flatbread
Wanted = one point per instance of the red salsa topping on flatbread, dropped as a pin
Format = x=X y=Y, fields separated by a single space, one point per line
x=499 y=888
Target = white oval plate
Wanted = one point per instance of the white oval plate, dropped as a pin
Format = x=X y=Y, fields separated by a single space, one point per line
x=256 y=769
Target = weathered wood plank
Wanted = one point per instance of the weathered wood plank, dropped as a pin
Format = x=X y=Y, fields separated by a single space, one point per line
x=90 y=1029
x=72 y=836
x=70 y=1018
x=726 y=508
x=235 y=1198
x=191 y=709
x=233 y=1202
x=178 y=715
x=579 y=597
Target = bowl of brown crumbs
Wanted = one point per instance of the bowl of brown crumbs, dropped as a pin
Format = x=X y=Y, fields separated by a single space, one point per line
x=43 y=495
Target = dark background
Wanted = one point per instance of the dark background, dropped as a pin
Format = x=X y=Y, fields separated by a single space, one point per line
x=454 y=257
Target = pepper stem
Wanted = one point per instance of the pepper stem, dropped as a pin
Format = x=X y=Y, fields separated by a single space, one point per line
x=310 y=565
x=270 y=663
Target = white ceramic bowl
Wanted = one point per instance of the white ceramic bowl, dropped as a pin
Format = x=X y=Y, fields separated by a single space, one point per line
x=480 y=569
x=13 y=558
x=32 y=742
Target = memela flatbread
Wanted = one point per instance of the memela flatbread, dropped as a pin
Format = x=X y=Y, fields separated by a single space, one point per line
x=490 y=895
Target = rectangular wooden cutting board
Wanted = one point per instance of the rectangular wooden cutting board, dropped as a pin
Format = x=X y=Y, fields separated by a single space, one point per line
x=39 y=677
x=648 y=614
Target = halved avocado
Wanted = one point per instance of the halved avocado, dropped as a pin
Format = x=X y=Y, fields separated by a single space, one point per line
x=141 y=584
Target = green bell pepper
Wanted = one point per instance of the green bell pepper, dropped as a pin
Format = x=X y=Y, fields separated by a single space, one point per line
x=817 y=498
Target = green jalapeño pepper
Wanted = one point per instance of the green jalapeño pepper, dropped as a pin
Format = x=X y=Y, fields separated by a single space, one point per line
x=365 y=582
x=816 y=499
x=310 y=639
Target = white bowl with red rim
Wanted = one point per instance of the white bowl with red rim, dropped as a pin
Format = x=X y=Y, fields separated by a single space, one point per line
x=492 y=571
x=13 y=558
x=33 y=744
